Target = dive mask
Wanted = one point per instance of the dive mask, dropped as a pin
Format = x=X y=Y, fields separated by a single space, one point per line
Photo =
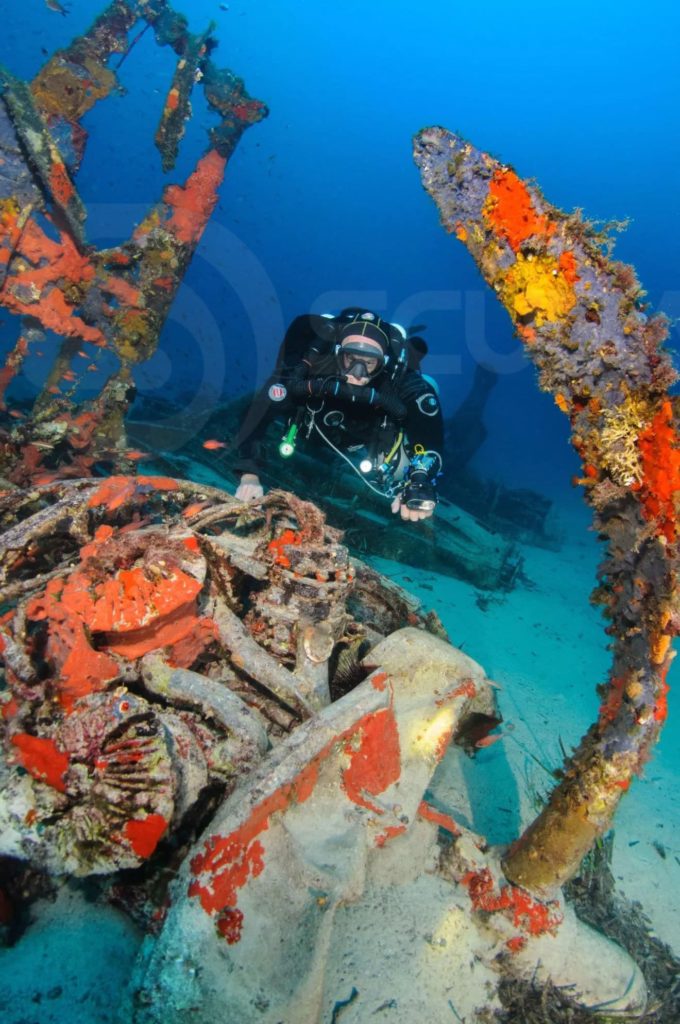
x=360 y=359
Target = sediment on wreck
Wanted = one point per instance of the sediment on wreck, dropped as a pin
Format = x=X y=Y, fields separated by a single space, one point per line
x=581 y=318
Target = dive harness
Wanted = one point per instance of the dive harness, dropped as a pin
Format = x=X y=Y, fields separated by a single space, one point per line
x=354 y=394
x=417 y=487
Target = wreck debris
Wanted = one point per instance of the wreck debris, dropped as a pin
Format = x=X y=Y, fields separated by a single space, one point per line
x=115 y=299
x=579 y=315
x=42 y=155
x=132 y=686
x=340 y=807
x=458 y=544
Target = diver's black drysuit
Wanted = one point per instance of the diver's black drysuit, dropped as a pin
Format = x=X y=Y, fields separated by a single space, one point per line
x=395 y=415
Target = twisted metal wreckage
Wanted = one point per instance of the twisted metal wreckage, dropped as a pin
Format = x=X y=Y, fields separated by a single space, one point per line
x=176 y=662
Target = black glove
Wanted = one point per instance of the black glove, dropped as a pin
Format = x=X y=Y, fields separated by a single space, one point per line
x=420 y=492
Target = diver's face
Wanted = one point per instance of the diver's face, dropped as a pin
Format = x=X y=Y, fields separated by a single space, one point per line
x=360 y=359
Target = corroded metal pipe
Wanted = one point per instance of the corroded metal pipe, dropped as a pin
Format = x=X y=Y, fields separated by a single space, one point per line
x=582 y=321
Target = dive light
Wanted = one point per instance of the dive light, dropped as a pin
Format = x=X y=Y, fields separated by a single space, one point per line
x=287 y=446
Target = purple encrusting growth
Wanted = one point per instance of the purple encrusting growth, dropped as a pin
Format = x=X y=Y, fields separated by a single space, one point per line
x=580 y=316
x=606 y=339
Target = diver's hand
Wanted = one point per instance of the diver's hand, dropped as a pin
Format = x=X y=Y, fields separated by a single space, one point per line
x=250 y=488
x=412 y=514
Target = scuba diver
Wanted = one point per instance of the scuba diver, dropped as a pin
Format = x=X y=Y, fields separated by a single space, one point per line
x=346 y=384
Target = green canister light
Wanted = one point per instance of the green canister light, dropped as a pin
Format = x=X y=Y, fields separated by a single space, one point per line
x=287 y=446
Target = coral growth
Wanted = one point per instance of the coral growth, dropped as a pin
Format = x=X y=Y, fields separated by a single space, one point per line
x=536 y=289
x=133 y=686
x=601 y=357
x=117 y=298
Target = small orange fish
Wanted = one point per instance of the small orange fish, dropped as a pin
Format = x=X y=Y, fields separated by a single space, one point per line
x=194 y=509
x=92 y=367
x=213 y=445
x=54 y=390
x=488 y=741
x=17 y=415
x=137 y=455
x=69 y=376
x=54 y=5
x=83 y=355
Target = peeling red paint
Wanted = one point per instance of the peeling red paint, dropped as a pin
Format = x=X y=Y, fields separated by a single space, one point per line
x=184 y=651
x=10 y=708
x=81 y=669
x=379 y=680
x=277 y=545
x=444 y=821
x=61 y=185
x=122 y=290
x=376 y=763
x=144 y=834
x=227 y=862
x=468 y=688
x=390 y=832
x=527 y=913
x=42 y=759
x=229 y=924
x=443 y=743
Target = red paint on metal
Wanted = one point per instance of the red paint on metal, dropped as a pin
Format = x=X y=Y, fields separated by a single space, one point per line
x=379 y=680
x=443 y=743
x=390 y=832
x=444 y=821
x=376 y=763
x=227 y=862
x=61 y=185
x=659 y=447
x=467 y=688
x=229 y=924
x=527 y=913
x=277 y=545
x=82 y=670
x=144 y=834
x=41 y=757
x=10 y=708
x=122 y=290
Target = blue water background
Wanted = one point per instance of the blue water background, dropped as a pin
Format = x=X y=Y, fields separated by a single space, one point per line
x=323 y=207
